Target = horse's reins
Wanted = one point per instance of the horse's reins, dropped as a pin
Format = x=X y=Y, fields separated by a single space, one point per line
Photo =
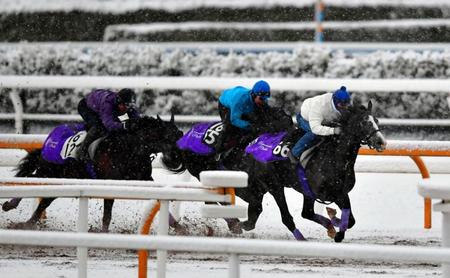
x=365 y=141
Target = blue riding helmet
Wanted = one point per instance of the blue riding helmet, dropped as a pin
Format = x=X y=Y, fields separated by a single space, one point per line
x=341 y=97
x=262 y=89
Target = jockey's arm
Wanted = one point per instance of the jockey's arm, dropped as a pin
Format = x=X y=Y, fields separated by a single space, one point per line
x=315 y=122
x=109 y=121
x=236 y=118
x=133 y=113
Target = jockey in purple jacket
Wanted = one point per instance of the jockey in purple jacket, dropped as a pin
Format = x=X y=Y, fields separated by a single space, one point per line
x=101 y=109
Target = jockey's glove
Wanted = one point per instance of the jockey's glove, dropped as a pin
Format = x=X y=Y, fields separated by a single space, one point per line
x=337 y=130
x=127 y=125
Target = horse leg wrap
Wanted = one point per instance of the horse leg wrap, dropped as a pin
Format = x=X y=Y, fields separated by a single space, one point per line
x=322 y=220
x=172 y=220
x=298 y=235
x=91 y=171
x=344 y=220
x=336 y=221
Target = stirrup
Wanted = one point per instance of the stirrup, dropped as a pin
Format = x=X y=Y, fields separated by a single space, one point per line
x=293 y=159
x=218 y=156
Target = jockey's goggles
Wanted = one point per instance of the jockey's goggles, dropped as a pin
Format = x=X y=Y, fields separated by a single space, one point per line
x=263 y=95
x=343 y=105
x=130 y=105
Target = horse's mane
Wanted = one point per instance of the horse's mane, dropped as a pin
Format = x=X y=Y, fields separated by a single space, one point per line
x=270 y=120
x=145 y=122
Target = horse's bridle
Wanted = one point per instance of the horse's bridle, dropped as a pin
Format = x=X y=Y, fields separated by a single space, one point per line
x=365 y=141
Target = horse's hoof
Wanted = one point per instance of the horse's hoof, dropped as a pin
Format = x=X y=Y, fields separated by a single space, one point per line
x=235 y=227
x=23 y=226
x=331 y=231
x=7 y=206
x=209 y=231
x=339 y=237
x=180 y=230
x=331 y=212
x=247 y=226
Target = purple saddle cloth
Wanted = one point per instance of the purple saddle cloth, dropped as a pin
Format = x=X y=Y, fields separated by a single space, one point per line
x=55 y=149
x=193 y=140
x=262 y=148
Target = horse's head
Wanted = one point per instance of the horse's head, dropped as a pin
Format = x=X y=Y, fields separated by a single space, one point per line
x=360 y=122
x=154 y=131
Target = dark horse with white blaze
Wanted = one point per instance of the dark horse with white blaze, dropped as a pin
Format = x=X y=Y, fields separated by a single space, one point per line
x=125 y=155
x=329 y=173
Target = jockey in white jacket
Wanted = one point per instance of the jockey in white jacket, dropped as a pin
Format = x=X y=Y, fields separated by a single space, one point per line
x=315 y=114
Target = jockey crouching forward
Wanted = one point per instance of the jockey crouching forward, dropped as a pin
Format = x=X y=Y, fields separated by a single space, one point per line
x=100 y=110
x=314 y=114
x=233 y=104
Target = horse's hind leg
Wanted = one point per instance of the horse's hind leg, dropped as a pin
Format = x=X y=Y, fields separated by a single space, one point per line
x=107 y=214
x=36 y=216
x=309 y=213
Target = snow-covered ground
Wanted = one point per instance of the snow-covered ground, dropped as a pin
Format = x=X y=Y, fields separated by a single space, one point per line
x=177 y=5
x=386 y=206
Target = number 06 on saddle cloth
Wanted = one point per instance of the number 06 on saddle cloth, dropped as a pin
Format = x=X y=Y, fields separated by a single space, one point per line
x=62 y=143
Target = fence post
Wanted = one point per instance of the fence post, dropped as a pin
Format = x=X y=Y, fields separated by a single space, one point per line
x=233 y=270
x=445 y=209
x=319 y=16
x=163 y=230
x=82 y=252
x=18 y=111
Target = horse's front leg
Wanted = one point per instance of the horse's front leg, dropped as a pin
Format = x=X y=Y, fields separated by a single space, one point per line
x=347 y=220
x=286 y=216
x=309 y=213
x=253 y=212
x=107 y=214
x=11 y=204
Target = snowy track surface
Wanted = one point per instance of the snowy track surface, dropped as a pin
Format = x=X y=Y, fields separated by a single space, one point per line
x=387 y=209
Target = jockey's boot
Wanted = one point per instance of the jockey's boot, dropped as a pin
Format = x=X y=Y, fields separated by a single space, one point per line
x=83 y=153
x=293 y=159
x=219 y=146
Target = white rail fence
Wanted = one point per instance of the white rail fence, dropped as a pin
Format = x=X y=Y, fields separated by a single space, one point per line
x=430 y=188
x=136 y=190
x=232 y=247
x=367 y=164
x=387 y=86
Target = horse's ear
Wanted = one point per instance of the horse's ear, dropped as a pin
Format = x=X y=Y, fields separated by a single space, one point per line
x=158 y=118
x=172 y=117
x=369 y=106
x=357 y=101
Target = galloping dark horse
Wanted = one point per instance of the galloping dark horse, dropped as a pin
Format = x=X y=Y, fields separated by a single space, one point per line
x=269 y=120
x=122 y=155
x=329 y=172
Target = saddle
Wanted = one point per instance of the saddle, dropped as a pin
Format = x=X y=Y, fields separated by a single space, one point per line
x=275 y=147
x=63 y=143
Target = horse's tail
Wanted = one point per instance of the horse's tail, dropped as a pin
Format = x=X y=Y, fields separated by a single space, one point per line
x=173 y=162
x=28 y=164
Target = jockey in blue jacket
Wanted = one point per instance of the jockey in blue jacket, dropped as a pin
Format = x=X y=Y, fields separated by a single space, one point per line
x=234 y=103
x=100 y=110
x=315 y=115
